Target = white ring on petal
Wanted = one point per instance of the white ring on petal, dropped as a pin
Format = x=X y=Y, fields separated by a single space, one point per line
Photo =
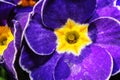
x=114 y=4
x=106 y=18
x=7 y=2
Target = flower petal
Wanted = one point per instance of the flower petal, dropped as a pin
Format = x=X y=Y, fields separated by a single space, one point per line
x=31 y=61
x=115 y=52
x=46 y=71
x=118 y=2
x=13 y=1
x=107 y=36
x=93 y=66
x=40 y=67
x=20 y=9
x=103 y=3
x=62 y=70
x=18 y=34
x=5 y=9
x=111 y=11
x=22 y=19
x=40 y=40
x=38 y=7
x=107 y=33
x=56 y=13
x=8 y=56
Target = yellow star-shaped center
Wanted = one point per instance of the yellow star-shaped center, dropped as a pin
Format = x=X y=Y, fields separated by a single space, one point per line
x=5 y=38
x=72 y=37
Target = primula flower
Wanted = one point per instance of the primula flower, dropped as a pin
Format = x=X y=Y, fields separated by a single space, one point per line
x=63 y=43
x=11 y=12
x=10 y=9
x=7 y=49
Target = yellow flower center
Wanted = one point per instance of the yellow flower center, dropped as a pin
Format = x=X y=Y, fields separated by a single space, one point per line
x=72 y=37
x=5 y=38
x=26 y=3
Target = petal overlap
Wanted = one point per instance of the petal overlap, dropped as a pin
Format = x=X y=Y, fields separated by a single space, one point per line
x=114 y=51
x=94 y=66
x=18 y=34
x=61 y=67
x=37 y=69
x=108 y=37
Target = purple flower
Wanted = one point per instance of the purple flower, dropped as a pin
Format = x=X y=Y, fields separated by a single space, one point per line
x=7 y=49
x=62 y=42
x=11 y=14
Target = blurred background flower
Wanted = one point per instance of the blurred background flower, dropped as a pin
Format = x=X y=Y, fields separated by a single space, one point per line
x=12 y=12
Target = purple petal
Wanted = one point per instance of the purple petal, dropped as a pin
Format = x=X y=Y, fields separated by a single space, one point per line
x=107 y=36
x=109 y=11
x=2 y=22
x=56 y=13
x=8 y=56
x=18 y=34
x=107 y=33
x=5 y=9
x=46 y=71
x=31 y=61
x=22 y=9
x=118 y=2
x=62 y=70
x=97 y=65
x=104 y=3
x=40 y=40
x=22 y=18
x=13 y=1
x=38 y=7
x=41 y=67
x=115 y=52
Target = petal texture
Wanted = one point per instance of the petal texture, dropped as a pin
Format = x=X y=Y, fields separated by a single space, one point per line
x=103 y=3
x=107 y=37
x=56 y=13
x=111 y=12
x=39 y=39
x=9 y=55
x=107 y=33
x=18 y=34
x=5 y=9
x=114 y=51
x=40 y=67
x=97 y=65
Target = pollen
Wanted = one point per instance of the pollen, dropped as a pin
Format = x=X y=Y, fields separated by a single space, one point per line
x=5 y=38
x=72 y=37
